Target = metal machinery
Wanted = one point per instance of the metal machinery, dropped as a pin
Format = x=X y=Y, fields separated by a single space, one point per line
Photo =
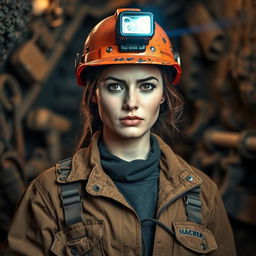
x=219 y=63
x=219 y=82
x=34 y=35
x=216 y=40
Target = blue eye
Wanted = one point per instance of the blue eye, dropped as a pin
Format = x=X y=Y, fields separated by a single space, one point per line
x=147 y=87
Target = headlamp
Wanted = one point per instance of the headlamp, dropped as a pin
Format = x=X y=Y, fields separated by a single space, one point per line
x=134 y=30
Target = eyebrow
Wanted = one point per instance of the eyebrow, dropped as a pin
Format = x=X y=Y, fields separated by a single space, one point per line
x=138 y=81
x=114 y=78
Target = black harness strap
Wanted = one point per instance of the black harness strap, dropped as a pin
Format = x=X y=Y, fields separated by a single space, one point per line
x=70 y=194
x=71 y=198
x=193 y=205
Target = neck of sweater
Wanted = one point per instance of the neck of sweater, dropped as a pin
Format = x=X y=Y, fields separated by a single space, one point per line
x=134 y=171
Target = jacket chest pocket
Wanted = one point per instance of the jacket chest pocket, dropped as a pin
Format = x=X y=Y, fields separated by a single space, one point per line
x=193 y=239
x=80 y=239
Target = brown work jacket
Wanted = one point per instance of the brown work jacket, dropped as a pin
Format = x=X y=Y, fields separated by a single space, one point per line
x=110 y=225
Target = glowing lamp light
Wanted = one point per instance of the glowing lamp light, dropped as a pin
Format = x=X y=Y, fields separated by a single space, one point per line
x=134 y=30
x=136 y=25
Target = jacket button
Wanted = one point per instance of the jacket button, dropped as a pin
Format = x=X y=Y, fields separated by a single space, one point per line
x=189 y=178
x=74 y=251
x=63 y=177
x=96 y=188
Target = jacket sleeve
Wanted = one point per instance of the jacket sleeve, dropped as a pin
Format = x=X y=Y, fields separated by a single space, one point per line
x=33 y=226
x=220 y=226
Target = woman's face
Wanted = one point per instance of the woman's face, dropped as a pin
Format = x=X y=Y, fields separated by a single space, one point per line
x=129 y=98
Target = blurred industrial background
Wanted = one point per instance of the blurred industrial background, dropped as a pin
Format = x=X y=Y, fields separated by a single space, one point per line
x=39 y=99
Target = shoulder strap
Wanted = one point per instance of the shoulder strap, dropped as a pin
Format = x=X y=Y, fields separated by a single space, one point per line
x=193 y=205
x=70 y=195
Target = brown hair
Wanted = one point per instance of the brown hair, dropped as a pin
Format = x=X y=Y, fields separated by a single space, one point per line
x=170 y=110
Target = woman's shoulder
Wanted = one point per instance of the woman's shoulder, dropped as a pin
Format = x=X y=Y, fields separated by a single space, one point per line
x=207 y=181
x=172 y=158
x=209 y=192
x=44 y=186
x=71 y=169
x=46 y=177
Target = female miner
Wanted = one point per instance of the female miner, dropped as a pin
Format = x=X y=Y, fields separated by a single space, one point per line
x=124 y=192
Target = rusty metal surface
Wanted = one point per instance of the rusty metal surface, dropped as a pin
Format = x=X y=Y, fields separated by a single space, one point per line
x=218 y=55
x=51 y=28
x=219 y=60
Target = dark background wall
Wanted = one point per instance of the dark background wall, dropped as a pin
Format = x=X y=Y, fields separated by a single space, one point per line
x=39 y=99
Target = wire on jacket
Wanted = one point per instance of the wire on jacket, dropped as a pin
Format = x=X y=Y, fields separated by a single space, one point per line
x=162 y=225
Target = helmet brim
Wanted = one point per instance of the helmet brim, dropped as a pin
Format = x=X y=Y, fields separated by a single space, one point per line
x=131 y=60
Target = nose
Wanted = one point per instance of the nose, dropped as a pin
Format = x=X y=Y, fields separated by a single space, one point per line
x=130 y=101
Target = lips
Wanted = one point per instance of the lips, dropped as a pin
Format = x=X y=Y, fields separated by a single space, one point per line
x=131 y=120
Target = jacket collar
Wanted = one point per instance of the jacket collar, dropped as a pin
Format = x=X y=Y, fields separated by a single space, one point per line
x=176 y=169
x=176 y=175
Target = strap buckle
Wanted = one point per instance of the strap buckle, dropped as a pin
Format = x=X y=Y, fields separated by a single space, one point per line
x=193 y=205
x=70 y=195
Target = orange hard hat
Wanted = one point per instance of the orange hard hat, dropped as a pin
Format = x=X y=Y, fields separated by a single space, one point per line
x=101 y=48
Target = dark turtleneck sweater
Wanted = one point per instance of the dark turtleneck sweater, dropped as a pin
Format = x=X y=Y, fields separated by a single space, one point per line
x=138 y=182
